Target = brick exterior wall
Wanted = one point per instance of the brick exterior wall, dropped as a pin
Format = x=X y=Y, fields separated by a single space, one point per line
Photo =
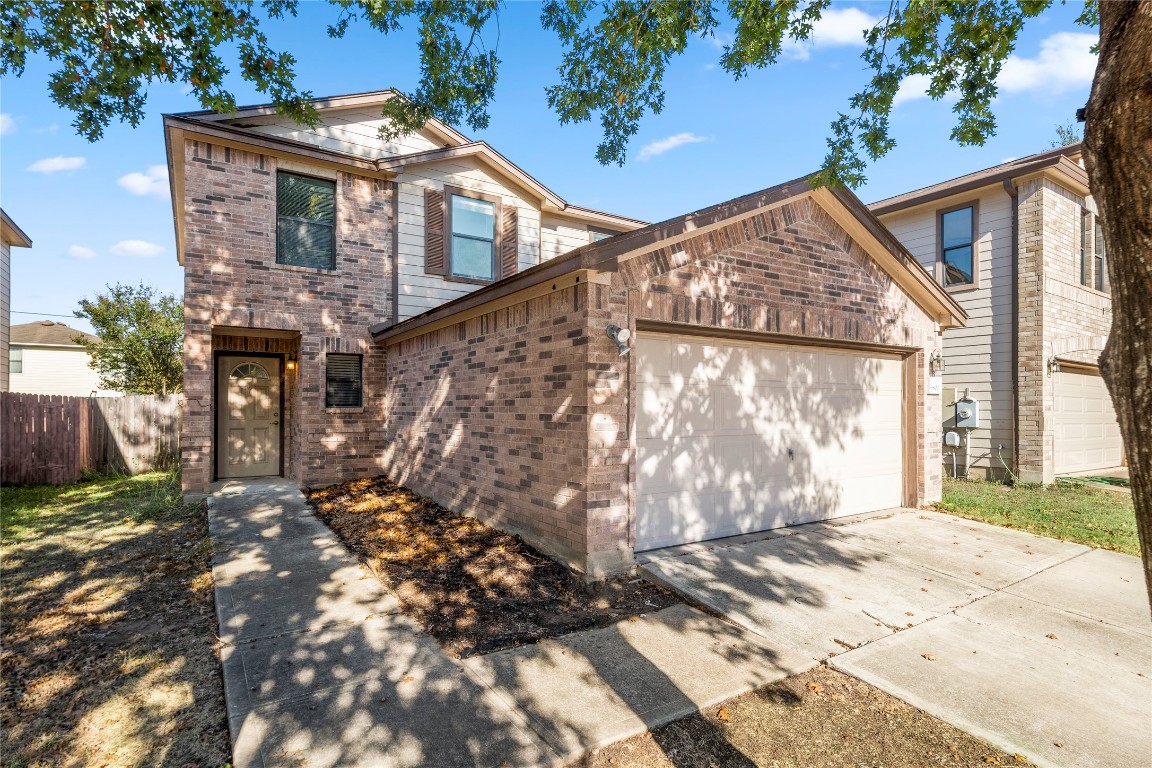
x=488 y=417
x=522 y=416
x=1058 y=316
x=231 y=280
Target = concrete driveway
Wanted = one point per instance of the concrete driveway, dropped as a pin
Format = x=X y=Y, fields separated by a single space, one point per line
x=1038 y=646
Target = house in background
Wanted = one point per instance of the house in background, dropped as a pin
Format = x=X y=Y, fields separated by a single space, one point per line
x=426 y=309
x=1019 y=247
x=11 y=236
x=46 y=360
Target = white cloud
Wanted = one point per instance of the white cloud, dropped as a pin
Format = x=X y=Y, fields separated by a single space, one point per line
x=51 y=128
x=1064 y=63
x=659 y=147
x=139 y=248
x=7 y=124
x=81 y=252
x=912 y=88
x=154 y=182
x=836 y=27
x=54 y=164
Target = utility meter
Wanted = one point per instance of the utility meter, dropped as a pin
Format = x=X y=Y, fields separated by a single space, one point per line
x=952 y=439
x=967 y=413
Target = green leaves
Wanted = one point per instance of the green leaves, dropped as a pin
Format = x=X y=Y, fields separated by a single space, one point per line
x=141 y=339
x=614 y=65
x=110 y=51
x=615 y=56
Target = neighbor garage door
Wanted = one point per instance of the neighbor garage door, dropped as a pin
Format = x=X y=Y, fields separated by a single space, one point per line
x=1087 y=435
x=741 y=437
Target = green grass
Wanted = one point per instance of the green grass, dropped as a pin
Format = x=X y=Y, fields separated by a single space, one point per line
x=1072 y=512
x=35 y=510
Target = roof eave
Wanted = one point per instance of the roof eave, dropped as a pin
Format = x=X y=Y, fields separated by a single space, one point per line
x=12 y=233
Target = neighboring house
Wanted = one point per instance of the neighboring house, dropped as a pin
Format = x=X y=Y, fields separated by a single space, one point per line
x=1020 y=248
x=46 y=360
x=10 y=236
x=427 y=309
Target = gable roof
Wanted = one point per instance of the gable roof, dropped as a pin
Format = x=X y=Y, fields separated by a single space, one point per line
x=11 y=233
x=606 y=255
x=444 y=132
x=48 y=333
x=229 y=130
x=1062 y=161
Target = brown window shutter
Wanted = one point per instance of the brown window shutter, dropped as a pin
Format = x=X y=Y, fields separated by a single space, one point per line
x=509 y=244
x=434 y=232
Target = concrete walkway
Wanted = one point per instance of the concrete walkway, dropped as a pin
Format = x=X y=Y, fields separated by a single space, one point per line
x=1038 y=646
x=321 y=668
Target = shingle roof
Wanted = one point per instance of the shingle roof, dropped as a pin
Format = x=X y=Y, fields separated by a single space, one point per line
x=1062 y=156
x=47 y=332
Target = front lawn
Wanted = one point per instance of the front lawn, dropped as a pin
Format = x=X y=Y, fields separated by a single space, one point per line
x=1072 y=512
x=108 y=645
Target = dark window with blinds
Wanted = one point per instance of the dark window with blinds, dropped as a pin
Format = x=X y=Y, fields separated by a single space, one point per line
x=305 y=221
x=957 y=247
x=344 y=384
x=1101 y=265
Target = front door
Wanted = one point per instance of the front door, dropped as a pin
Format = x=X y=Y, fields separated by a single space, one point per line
x=248 y=410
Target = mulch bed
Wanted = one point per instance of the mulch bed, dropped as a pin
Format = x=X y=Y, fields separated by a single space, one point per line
x=474 y=588
x=820 y=718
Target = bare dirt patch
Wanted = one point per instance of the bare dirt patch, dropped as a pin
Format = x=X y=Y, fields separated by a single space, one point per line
x=472 y=587
x=821 y=718
x=109 y=651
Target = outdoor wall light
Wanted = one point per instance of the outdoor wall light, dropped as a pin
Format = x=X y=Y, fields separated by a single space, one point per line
x=936 y=363
x=290 y=363
x=620 y=337
x=1053 y=365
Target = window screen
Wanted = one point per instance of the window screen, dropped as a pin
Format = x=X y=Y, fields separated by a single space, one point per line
x=344 y=382
x=305 y=221
x=15 y=360
x=1085 y=245
x=1101 y=260
x=956 y=244
x=473 y=238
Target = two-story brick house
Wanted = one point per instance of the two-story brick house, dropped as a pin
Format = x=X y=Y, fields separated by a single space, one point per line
x=427 y=309
x=1018 y=246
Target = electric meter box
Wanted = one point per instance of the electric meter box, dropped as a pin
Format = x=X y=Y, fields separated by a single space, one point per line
x=967 y=414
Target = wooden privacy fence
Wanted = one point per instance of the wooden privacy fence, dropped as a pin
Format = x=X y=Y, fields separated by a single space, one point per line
x=49 y=439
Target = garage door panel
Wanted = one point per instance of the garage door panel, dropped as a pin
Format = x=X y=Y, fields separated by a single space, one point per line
x=793 y=435
x=1087 y=436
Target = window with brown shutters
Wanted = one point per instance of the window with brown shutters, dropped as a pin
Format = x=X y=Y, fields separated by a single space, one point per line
x=469 y=236
x=433 y=232
x=509 y=250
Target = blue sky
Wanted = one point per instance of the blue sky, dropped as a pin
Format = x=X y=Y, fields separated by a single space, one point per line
x=100 y=213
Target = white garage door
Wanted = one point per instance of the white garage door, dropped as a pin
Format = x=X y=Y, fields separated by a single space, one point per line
x=1087 y=435
x=740 y=437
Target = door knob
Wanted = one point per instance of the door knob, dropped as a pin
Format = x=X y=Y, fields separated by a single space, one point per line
x=275 y=423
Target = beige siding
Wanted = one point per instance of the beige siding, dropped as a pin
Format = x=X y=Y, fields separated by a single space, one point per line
x=420 y=292
x=57 y=371
x=5 y=310
x=978 y=357
x=352 y=131
x=558 y=236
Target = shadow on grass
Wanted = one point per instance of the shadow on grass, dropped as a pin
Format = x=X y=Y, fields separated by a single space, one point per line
x=109 y=634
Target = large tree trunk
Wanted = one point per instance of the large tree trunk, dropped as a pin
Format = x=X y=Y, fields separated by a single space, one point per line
x=1118 y=156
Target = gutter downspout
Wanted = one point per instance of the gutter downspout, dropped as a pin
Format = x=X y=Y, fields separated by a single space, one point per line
x=1014 y=193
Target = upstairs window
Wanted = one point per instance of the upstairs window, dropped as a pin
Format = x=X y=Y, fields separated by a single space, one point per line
x=597 y=235
x=15 y=359
x=305 y=221
x=958 y=247
x=344 y=381
x=1086 y=247
x=1101 y=263
x=473 y=250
